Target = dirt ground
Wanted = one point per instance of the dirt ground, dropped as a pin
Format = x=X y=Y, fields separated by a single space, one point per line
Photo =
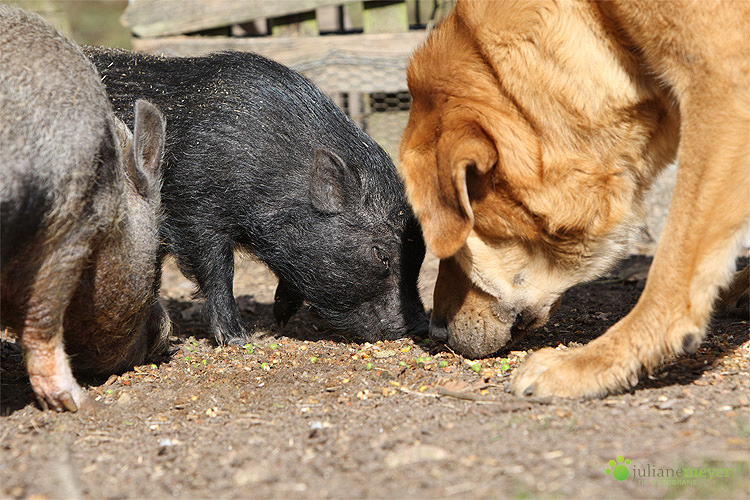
x=304 y=412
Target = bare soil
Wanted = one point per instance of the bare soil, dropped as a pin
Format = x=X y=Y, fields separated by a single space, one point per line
x=304 y=412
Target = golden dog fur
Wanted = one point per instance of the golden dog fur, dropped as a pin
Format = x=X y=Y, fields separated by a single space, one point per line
x=536 y=128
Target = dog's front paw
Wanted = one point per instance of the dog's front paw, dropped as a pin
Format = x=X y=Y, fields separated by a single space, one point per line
x=576 y=373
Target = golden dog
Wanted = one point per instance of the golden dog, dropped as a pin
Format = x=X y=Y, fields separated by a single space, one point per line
x=536 y=128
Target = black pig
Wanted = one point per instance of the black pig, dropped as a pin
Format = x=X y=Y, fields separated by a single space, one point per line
x=79 y=215
x=258 y=158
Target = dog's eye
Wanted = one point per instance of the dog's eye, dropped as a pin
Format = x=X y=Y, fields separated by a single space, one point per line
x=383 y=257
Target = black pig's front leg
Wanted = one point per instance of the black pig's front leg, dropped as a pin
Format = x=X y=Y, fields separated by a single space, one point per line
x=286 y=301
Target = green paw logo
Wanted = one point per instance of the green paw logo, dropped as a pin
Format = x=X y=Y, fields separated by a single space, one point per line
x=619 y=469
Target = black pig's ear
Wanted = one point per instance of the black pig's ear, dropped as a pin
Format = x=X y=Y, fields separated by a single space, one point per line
x=331 y=182
x=147 y=147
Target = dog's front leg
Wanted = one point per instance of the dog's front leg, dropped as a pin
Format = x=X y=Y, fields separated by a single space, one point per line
x=707 y=218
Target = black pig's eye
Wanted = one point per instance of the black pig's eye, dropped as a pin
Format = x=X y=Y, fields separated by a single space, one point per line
x=381 y=256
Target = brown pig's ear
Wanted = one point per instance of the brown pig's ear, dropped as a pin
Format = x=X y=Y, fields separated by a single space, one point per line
x=143 y=149
x=438 y=191
x=149 y=136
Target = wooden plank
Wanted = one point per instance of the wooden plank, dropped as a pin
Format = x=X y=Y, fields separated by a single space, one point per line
x=353 y=16
x=385 y=17
x=329 y=19
x=287 y=49
x=413 y=7
x=303 y=24
x=337 y=63
x=152 y=18
x=427 y=13
x=442 y=10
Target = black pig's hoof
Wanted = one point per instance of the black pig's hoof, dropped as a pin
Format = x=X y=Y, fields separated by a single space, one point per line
x=237 y=341
x=237 y=337
x=286 y=302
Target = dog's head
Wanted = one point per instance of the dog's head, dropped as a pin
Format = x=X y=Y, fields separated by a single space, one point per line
x=515 y=192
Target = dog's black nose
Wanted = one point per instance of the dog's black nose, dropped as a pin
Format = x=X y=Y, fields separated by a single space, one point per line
x=523 y=320
x=438 y=330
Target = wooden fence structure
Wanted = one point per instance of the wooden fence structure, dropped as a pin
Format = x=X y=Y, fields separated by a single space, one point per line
x=356 y=51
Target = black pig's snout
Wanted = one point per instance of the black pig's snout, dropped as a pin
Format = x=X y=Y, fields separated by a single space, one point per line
x=420 y=327
x=439 y=330
x=403 y=324
x=416 y=319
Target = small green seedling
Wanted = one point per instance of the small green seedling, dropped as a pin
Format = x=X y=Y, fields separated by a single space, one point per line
x=368 y=366
x=476 y=367
x=443 y=364
x=313 y=359
x=504 y=365
x=250 y=348
x=274 y=346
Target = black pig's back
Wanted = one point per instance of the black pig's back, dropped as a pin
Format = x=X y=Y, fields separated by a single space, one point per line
x=241 y=131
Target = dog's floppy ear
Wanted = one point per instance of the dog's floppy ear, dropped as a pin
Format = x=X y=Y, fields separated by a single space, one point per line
x=441 y=196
